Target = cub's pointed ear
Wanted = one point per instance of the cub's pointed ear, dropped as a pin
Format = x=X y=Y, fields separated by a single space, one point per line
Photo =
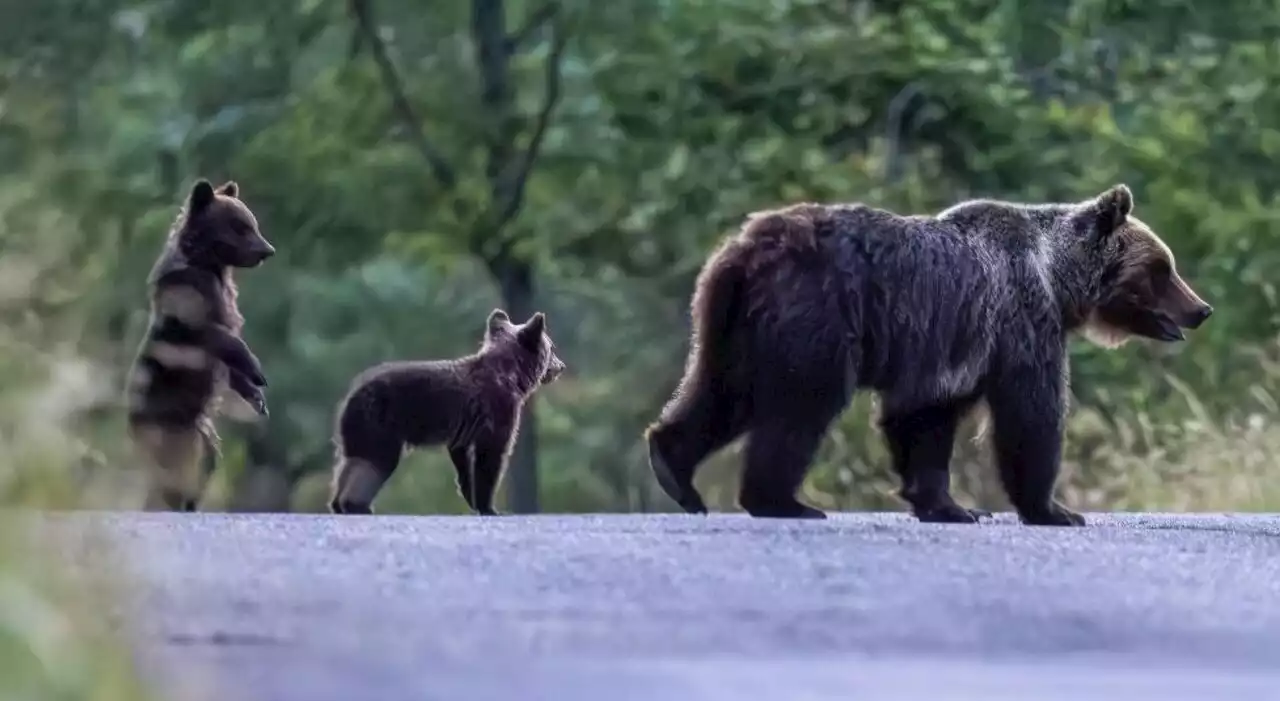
x=201 y=196
x=536 y=323
x=1113 y=208
x=229 y=189
x=531 y=332
x=498 y=320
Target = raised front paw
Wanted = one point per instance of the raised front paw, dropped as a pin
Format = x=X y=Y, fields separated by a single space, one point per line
x=249 y=366
x=256 y=377
x=258 y=401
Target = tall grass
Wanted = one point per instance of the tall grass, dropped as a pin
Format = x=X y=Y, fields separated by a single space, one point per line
x=1174 y=455
x=1195 y=462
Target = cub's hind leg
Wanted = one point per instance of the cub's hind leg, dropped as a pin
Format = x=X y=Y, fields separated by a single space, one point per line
x=356 y=484
x=210 y=453
x=173 y=456
x=368 y=454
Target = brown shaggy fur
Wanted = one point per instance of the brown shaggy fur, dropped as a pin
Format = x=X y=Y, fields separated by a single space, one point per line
x=192 y=356
x=1147 y=296
x=471 y=405
x=935 y=314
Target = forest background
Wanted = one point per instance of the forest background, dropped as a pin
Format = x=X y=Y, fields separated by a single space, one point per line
x=418 y=165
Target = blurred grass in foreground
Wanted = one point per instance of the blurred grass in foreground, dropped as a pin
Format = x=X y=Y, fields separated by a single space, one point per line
x=57 y=639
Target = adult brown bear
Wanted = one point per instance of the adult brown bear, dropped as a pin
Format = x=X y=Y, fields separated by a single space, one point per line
x=809 y=303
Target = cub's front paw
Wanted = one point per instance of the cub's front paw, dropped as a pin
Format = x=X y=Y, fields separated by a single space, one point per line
x=258 y=401
x=257 y=378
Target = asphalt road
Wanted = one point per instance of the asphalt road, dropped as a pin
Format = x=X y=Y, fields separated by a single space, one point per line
x=676 y=607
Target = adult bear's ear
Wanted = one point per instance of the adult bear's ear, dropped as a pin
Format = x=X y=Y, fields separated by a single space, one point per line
x=1112 y=209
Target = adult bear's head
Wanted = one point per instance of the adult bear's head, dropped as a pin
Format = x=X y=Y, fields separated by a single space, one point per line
x=1139 y=291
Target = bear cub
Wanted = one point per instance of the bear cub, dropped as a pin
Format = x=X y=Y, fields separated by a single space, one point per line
x=471 y=405
x=192 y=353
x=935 y=314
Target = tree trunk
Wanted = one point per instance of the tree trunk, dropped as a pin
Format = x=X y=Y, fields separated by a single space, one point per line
x=515 y=282
x=506 y=170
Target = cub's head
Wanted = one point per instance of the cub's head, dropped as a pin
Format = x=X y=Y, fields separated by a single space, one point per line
x=1139 y=290
x=530 y=342
x=218 y=231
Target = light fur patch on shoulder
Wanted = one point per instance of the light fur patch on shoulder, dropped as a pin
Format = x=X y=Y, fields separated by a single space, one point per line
x=1042 y=263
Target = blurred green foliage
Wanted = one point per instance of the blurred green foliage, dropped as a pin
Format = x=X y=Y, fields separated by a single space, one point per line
x=59 y=635
x=408 y=165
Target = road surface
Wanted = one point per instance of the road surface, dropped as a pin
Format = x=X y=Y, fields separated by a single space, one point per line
x=692 y=608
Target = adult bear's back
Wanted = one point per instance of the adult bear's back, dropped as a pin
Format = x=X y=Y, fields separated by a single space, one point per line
x=908 y=303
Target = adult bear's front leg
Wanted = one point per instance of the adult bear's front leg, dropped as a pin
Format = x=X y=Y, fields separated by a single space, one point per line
x=920 y=445
x=1027 y=402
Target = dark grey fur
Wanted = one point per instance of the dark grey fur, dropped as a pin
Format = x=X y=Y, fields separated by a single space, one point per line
x=471 y=405
x=810 y=303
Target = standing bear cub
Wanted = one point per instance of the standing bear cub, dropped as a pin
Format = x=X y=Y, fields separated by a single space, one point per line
x=192 y=357
x=809 y=303
x=471 y=405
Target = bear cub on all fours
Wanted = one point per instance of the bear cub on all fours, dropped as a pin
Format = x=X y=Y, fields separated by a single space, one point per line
x=471 y=405
x=809 y=303
x=192 y=358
